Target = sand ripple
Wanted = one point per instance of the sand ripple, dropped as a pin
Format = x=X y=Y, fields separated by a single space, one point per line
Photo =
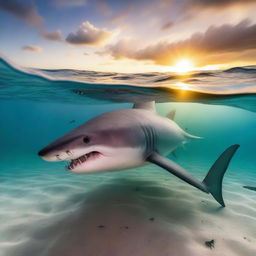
x=142 y=212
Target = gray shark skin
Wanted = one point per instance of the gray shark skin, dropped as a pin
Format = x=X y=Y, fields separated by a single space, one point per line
x=129 y=138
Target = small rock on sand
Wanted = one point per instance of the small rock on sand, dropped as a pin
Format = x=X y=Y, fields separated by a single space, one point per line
x=210 y=244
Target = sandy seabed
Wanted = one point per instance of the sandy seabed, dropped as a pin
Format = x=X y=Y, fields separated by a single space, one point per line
x=143 y=212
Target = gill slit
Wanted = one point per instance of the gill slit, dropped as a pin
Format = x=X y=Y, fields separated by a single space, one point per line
x=150 y=140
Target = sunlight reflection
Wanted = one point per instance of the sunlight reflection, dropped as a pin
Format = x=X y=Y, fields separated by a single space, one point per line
x=181 y=85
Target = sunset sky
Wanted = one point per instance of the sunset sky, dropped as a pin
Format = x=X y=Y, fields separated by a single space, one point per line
x=129 y=36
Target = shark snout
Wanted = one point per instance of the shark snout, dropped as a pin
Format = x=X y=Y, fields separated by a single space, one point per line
x=48 y=155
x=43 y=152
x=63 y=149
x=53 y=153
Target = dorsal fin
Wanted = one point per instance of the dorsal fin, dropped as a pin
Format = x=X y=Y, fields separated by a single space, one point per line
x=147 y=105
x=171 y=114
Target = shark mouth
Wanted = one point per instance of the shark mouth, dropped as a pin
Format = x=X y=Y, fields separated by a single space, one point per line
x=83 y=159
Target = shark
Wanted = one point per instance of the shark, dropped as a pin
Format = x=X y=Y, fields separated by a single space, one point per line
x=129 y=138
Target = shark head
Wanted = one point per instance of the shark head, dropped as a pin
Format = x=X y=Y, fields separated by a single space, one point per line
x=99 y=149
x=81 y=152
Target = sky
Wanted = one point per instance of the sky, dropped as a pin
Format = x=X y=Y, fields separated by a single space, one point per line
x=129 y=36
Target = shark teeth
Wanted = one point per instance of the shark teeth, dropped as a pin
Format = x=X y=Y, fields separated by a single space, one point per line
x=82 y=159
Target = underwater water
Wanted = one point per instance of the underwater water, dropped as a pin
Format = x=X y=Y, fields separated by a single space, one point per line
x=46 y=210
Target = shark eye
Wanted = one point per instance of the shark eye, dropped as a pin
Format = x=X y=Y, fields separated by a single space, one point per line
x=86 y=139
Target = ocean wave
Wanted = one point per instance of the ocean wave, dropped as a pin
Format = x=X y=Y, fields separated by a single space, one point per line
x=226 y=87
x=249 y=69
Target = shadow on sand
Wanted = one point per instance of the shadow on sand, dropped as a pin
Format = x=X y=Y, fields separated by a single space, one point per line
x=122 y=218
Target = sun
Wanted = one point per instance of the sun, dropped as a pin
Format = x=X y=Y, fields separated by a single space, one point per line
x=183 y=66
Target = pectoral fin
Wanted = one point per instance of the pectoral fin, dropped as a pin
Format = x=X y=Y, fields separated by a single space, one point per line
x=176 y=170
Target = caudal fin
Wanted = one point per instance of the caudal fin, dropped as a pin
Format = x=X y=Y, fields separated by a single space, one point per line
x=213 y=179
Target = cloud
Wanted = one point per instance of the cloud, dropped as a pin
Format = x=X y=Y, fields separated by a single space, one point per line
x=52 y=36
x=202 y=47
x=87 y=34
x=103 y=7
x=123 y=14
x=69 y=3
x=125 y=48
x=167 y=25
x=25 y=11
x=32 y=48
x=217 y=3
x=202 y=4
x=177 y=13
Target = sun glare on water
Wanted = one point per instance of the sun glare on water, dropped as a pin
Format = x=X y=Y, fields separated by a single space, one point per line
x=181 y=85
x=183 y=66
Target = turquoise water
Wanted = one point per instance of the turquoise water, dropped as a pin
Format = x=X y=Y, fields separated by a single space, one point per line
x=46 y=210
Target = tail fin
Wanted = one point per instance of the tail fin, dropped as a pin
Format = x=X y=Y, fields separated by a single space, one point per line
x=213 y=179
